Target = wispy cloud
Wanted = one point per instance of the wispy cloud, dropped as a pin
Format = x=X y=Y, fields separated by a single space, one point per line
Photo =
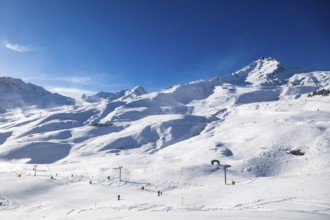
x=71 y=92
x=98 y=81
x=84 y=80
x=16 y=47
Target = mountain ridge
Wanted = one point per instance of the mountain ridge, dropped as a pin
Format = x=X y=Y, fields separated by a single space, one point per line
x=15 y=93
x=150 y=122
x=259 y=73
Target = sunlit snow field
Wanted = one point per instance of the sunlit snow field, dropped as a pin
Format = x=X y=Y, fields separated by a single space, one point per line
x=62 y=162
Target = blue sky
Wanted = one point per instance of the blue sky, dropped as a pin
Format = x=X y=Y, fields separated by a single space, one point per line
x=85 y=46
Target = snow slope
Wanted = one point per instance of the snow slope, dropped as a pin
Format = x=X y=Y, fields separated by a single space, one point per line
x=252 y=121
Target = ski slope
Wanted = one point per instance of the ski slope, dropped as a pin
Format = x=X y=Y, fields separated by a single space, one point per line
x=61 y=161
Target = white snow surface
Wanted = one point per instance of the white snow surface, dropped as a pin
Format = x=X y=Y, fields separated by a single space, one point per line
x=252 y=121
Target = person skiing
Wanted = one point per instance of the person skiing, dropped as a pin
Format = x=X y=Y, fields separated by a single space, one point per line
x=118 y=197
x=158 y=193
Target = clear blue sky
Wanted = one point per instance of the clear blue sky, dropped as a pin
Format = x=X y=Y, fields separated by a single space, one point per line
x=95 y=45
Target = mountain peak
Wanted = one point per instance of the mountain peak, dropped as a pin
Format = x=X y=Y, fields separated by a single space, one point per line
x=266 y=59
x=13 y=85
x=264 y=71
x=138 y=90
x=126 y=93
x=17 y=93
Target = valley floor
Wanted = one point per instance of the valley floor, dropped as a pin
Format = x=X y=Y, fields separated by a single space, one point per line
x=67 y=197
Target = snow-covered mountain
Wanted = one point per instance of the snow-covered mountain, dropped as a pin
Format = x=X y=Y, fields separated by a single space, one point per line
x=264 y=72
x=123 y=94
x=259 y=121
x=15 y=93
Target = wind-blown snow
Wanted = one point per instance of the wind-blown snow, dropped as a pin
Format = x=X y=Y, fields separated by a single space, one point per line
x=252 y=121
x=14 y=93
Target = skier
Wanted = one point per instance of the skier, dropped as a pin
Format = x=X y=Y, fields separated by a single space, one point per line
x=118 y=197
x=158 y=193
